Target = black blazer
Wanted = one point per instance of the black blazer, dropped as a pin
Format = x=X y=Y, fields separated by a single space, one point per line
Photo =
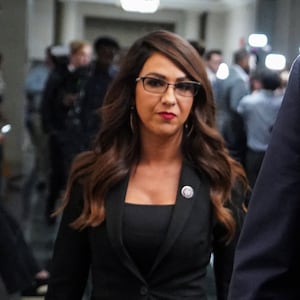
x=267 y=259
x=18 y=265
x=179 y=269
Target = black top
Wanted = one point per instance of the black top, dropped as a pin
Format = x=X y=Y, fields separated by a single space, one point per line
x=144 y=229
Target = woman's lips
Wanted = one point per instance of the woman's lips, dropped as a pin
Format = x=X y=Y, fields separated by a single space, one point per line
x=167 y=115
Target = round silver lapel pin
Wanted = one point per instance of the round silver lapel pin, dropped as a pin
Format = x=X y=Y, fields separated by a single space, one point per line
x=187 y=192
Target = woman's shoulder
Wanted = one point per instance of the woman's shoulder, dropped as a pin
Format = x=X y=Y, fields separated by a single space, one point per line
x=197 y=172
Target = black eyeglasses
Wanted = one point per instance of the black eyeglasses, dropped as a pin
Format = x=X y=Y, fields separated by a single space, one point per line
x=160 y=86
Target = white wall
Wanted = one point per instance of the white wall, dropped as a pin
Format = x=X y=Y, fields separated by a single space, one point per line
x=229 y=30
x=215 y=30
x=225 y=30
x=240 y=24
x=75 y=26
x=40 y=27
x=13 y=46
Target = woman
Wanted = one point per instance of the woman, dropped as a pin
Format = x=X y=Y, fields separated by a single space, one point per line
x=145 y=208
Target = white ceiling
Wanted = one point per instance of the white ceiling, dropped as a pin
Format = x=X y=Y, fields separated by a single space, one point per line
x=194 y=5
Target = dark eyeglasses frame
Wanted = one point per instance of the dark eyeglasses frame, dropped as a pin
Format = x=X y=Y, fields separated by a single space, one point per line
x=142 y=78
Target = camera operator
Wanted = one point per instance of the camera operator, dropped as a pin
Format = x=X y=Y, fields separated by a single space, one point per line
x=60 y=101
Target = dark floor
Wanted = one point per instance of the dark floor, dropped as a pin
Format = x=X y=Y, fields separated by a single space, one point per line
x=26 y=203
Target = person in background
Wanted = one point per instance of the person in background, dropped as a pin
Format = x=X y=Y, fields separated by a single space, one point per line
x=145 y=208
x=255 y=81
x=19 y=269
x=236 y=85
x=284 y=77
x=267 y=258
x=230 y=92
x=198 y=46
x=259 y=111
x=213 y=58
x=58 y=99
x=104 y=69
x=34 y=86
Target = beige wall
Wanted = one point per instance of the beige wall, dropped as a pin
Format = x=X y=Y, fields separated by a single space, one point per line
x=13 y=39
x=40 y=27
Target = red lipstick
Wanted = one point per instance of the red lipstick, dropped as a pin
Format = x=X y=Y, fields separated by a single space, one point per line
x=167 y=115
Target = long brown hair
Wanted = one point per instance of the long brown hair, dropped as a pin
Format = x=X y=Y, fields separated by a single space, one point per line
x=117 y=148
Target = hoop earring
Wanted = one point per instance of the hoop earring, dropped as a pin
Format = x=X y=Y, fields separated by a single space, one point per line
x=131 y=118
x=188 y=129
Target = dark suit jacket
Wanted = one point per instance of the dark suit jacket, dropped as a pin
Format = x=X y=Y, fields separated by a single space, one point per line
x=17 y=262
x=230 y=123
x=267 y=259
x=179 y=269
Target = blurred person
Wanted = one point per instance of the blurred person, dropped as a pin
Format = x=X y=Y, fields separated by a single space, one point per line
x=255 y=81
x=236 y=85
x=58 y=99
x=34 y=86
x=19 y=269
x=267 y=259
x=213 y=59
x=146 y=207
x=198 y=46
x=230 y=92
x=284 y=78
x=104 y=69
x=259 y=111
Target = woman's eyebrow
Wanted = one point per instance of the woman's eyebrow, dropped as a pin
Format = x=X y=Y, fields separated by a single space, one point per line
x=159 y=75
x=156 y=75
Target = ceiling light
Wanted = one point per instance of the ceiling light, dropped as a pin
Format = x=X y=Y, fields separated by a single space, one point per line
x=141 y=6
x=257 y=40
x=275 y=61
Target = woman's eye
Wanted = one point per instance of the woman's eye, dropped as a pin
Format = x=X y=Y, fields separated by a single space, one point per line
x=184 y=86
x=155 y=82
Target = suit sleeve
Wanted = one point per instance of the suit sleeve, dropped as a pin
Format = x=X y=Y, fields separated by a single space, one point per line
x=237 y=92
x=53 y=112
x=267 y=257
x=71 y=258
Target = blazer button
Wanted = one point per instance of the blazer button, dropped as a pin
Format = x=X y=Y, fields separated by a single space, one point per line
x=144 y=290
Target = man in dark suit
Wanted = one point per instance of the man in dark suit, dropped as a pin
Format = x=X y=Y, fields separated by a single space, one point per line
x=228 y=95
x=267 y=260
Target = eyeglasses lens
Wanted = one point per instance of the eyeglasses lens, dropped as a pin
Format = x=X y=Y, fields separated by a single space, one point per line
x=159 y=86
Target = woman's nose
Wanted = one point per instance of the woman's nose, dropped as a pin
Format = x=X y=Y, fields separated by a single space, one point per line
x=169 y=96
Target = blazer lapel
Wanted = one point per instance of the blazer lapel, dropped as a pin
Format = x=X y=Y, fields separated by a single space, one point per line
x=189 y=182
x=114 y=207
